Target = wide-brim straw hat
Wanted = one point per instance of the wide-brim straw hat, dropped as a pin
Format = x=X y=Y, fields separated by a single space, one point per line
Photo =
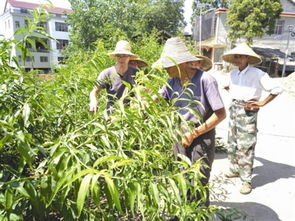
x=174 y=53
x=242 y=49
x=206 y=63
x=140 y=63
x=122 y=47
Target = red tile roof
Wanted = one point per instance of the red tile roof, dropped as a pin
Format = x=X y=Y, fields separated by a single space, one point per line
x=27 y=5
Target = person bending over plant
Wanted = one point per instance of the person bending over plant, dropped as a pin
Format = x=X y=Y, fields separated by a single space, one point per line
x=113 y=78
x=191 y=89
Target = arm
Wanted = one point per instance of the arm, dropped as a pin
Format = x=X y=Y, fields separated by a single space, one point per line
x=208 y=125
x=93 y=99
x=268 y=99
x=101 y=82
x=271 y=86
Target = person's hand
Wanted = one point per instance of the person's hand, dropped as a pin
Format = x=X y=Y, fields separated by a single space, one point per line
x=253 y=106
x=188 y=139
x=93 y=106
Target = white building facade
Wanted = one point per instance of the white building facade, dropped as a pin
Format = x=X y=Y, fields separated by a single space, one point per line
x=15 y=15
x=215 y=42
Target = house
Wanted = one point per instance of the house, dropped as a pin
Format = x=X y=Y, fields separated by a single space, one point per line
x=211 y=37
x=15 y=15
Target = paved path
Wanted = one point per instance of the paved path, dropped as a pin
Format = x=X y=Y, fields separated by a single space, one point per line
x=273 y=195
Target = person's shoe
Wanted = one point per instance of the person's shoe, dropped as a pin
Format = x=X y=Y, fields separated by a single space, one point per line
x=246 y=188
x=231 y=175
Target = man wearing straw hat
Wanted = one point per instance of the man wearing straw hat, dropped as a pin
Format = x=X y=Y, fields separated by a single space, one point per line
x=113 y=77
x=197 y=90
x=245 y=88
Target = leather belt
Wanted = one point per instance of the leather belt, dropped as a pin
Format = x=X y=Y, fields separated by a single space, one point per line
x=238 y=101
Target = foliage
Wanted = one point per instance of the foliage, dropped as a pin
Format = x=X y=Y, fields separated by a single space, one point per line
x=113 y=20
x=32 y=33
x=60 y=162
x=252 y=18
x=5 y=55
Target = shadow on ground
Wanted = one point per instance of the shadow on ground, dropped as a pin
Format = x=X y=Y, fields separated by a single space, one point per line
x=220 y=155
x=270 y=172
x=253 y=211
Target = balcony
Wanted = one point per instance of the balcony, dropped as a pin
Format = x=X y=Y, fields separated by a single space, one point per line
x=19 y=11
x=39 y=50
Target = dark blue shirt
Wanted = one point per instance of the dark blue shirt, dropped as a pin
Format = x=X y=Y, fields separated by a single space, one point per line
x=200 y=94
x=113 y=83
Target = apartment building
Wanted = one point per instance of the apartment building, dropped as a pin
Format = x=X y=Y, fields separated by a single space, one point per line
x=15 y=15
x=213 y=40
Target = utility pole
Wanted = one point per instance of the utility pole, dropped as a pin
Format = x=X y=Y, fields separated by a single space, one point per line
x=292 y=33
x=201 y=6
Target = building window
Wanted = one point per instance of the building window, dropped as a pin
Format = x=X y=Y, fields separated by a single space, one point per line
x=43 y=25
x=17 y=24
x=28 y=58
x=23 y=10
x=61 y=27
x=26 y=23
x=279 y=27
x=43 y=59
x=61 y=43
x=28 y=45
x=42 y=47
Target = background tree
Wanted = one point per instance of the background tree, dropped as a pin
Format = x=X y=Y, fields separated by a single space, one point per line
x=109 y=20
x=252 y=18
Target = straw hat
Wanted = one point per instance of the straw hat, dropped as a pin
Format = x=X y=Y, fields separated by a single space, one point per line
x=242 y=49
x=140 y=63
x=206 y=63
x=175 y=52
x=122 y=47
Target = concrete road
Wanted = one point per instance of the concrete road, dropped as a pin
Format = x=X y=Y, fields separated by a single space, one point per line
x=273 y=195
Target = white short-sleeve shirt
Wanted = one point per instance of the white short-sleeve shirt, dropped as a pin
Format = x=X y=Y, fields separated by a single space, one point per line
x=250 y=83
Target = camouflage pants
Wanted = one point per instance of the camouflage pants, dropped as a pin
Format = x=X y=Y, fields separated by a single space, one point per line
x=242 y=137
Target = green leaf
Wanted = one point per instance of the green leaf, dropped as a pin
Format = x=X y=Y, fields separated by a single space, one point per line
x=131 y=196
x=23 y=191
x=60 y=184
x=105 y=159
x=175 y=190
x=114 y=193
x=155 y=194
x=82 y=193
x=182 y=184
x=32 y=43
x=95 y=191
x=8 y=199
x=20 y=31
x=139 y=194
x=24 y=149
x=26 y=114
